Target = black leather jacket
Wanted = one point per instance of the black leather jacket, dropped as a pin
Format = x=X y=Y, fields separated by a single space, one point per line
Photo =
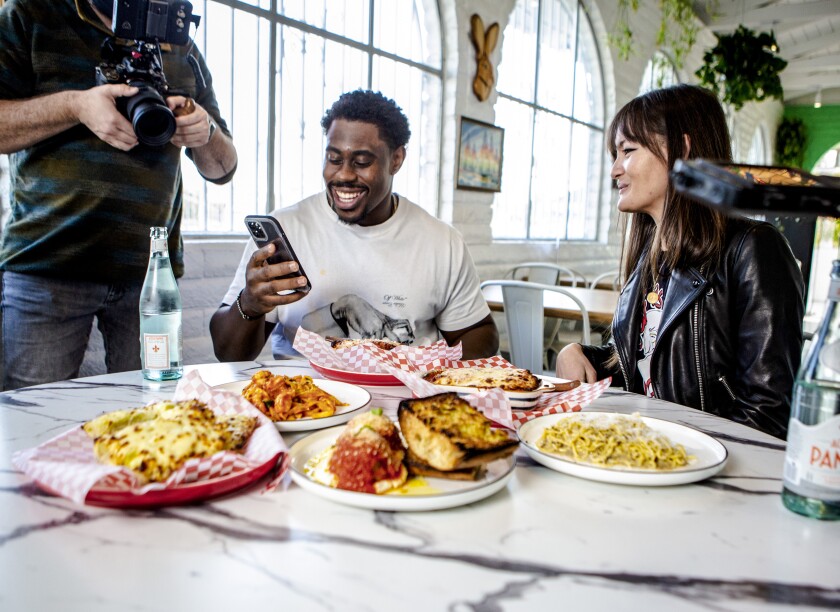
x=728 y=343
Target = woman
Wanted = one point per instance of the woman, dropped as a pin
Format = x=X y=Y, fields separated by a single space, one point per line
x=710 y=313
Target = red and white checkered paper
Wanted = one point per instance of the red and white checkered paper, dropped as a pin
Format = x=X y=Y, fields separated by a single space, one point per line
x=496 y=406
x=67 y=464
x=367 y=359
x=408 y=364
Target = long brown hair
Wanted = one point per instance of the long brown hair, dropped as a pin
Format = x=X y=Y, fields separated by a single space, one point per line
x=694 y=234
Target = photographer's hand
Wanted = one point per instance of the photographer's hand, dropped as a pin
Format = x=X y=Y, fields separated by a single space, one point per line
x=26 y=122
x=212 y=150
x=97 y=109
x=192 y=127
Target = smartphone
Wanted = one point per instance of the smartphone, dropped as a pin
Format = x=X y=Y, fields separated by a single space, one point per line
x=754 y=188
x=265 y=229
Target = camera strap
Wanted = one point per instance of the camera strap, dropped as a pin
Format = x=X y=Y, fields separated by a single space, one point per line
x=106 y=7
x=199 y=76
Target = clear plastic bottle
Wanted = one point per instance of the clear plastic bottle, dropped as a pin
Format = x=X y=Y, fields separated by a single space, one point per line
x=160 y=314
x=812 y=460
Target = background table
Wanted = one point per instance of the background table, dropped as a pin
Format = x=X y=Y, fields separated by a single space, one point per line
x=599 y=302
x=546 y=542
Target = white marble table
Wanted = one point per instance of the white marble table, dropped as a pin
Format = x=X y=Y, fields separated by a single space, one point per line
x=546 y=542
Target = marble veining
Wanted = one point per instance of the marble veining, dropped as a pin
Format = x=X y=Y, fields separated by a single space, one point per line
x=546 y=541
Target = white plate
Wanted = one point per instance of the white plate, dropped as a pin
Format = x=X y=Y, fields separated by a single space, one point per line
x=710 y=455
x=355 y=397
x=445 y=494
x=518 y=399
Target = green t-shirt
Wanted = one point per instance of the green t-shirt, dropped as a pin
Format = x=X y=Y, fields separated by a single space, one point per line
x=80 y=208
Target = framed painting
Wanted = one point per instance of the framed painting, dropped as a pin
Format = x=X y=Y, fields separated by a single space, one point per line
x=480 y=148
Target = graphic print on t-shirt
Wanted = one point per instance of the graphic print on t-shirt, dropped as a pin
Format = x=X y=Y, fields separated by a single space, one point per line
x=351 y=316
x=651 y=316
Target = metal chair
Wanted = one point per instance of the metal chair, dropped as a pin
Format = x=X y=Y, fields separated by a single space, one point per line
x=613 y=274
x=555 y=330
x=545 y=273
x=523 y=303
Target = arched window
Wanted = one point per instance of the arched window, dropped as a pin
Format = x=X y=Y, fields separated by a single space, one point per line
x=551 y=104
x=829 y=162
x=277 y=65
x=659 y=72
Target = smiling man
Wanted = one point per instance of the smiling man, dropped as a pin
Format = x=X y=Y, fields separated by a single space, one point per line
x=379 y=265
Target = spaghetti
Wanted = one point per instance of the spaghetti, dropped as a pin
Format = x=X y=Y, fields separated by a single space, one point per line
x=615 y=441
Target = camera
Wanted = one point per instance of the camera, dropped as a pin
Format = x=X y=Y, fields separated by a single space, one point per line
x=145 y=24
x=256 y=230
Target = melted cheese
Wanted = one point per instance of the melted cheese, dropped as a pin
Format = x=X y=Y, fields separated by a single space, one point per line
x=508 y=379
x=157 y=439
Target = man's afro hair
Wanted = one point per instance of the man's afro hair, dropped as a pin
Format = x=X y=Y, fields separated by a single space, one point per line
x=371 y=107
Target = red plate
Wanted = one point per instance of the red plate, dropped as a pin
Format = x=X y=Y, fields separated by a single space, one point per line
x=357 y=378
x=183 y=494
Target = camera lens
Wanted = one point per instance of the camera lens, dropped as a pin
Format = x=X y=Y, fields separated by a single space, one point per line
x=154 y=123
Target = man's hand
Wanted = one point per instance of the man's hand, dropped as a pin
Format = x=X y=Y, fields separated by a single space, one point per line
x=235 y=338
x=97 y=109
x=192 y=128
x=262 y=285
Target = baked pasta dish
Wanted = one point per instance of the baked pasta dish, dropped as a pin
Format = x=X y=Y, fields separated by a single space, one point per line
x=289 y=398
x=156 y=440
x=507 y=379
x=616 y=441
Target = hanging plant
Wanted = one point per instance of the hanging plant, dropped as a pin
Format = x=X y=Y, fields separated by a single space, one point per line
x=791 y=137
x=677 y=32
x=743 y=67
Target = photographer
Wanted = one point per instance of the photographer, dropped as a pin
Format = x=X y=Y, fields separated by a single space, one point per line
x=85 y=190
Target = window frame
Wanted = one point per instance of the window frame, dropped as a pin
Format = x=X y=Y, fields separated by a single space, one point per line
x=582 y=13
x=275 y=21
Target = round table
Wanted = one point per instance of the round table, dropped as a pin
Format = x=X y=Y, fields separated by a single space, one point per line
x=547 y=541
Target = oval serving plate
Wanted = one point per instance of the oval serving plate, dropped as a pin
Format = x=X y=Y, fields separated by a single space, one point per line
x=365 y=379
x=418 y=494
x=355 y=397
x=709 y=454
x=105 y=495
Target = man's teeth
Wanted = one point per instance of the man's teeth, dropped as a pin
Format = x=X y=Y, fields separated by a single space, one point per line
x=346 y=196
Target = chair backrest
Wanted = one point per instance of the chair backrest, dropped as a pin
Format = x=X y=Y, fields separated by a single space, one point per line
x=524 y=316
x=545 y=273
x=612 y=274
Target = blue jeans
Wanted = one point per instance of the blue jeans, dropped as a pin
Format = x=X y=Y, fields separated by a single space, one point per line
x=47 y=323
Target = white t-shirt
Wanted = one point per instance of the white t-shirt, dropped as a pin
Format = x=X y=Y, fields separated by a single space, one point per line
x=652 y=307
x=403 y=279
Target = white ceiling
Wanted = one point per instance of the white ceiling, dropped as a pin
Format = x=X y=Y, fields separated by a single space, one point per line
x=808 y=35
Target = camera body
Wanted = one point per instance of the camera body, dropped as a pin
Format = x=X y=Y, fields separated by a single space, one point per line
x=146 y=24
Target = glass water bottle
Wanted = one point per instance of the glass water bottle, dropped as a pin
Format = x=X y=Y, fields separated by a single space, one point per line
x=160 y=314
x=812 y=460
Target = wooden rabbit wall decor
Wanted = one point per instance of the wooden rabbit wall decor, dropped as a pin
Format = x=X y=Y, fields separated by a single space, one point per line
x=484 y=43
